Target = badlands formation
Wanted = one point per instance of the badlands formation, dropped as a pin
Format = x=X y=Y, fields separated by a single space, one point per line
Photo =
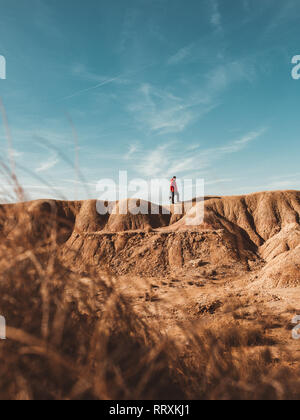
x=233 y=278
x=256 y=235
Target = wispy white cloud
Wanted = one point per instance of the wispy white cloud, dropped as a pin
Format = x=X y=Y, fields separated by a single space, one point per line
x=170 y=120
x=173 y=158
x=133 y=148
x=283 y=181
x=179 y=166
x=230 y=72
x=81 y=71
x=286 y=176
x=236 y=145
x=286 y=184
x=216 y=18
x=81 y=183
x=160 y=111
x=48 y=164
x=15 y=154
x=282 y=15
x=128 y=31
x=180 y=55
x=153 y=162
x=218 y=181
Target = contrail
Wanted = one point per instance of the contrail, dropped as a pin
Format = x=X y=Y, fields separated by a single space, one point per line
x=105 y=82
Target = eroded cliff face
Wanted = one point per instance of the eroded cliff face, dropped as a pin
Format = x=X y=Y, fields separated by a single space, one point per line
x=258 y=232
x=154 y=253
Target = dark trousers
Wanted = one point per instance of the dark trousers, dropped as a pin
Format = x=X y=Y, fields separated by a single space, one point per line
x=175 y=194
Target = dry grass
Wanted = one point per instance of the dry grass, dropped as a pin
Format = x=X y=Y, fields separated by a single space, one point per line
x=75 y=336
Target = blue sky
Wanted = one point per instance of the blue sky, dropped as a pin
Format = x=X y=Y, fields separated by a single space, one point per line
x=197 y=89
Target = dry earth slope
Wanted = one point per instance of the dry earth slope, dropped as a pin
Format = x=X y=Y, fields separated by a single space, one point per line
x=257 y=234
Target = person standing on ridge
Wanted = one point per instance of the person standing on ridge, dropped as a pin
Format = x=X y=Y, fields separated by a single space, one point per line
x=174 y=190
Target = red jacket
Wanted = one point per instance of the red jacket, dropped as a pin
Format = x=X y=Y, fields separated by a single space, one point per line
x=173 y=187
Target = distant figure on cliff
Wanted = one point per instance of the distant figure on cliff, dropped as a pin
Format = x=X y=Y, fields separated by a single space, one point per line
x=174 y=190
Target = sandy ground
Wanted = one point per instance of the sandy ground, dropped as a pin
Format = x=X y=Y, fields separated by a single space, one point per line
x=187 y=298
